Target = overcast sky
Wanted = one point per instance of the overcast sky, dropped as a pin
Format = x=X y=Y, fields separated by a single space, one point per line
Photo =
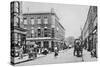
x=72 y=17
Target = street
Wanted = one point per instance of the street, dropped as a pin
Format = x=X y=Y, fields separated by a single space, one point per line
x=54 y=34
x=63 y=57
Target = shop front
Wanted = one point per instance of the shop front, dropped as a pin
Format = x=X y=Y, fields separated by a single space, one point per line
x=95 y=41
x=31 y=48
x=18 y=40
x=90 y=42
x=18 y=44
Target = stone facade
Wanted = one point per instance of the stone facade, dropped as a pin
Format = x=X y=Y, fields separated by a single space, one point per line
x=18 y=34
x=44 y=29
x=90 y=25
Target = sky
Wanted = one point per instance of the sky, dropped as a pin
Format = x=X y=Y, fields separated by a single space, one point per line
x=72 y=17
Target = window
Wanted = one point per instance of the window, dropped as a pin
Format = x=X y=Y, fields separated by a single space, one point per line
x=25 y=21
x=27 y=42
x=53 y=26
x=39 y=32
x=32 y=21
x=12 y=6
x=47 y=32
x=45 y=21
x=32 y=33
x=15 y=6
x=16 y=21
x=57 y=29
x=95 y=9
x=39 y=21
x=53 y=34
x=17 y=39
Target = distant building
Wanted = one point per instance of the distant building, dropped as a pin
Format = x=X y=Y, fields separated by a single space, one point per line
x=44 y=29
x=89 y=32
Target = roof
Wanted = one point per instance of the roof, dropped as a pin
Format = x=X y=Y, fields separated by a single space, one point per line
x=44 y=13
x=41 y=13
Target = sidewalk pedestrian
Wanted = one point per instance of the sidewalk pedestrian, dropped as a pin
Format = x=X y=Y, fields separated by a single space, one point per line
x=56 y=51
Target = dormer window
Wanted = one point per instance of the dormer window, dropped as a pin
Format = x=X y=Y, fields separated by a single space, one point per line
x=39 y=32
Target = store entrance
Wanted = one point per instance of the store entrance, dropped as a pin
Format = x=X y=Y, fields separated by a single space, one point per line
x=46 y=44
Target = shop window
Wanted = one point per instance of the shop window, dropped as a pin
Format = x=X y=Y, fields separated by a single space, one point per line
x=46 y=44
x=45 y=33
x=32 y=31
x=57 y=29
x=28 y=34
x=19 y=40
x=39 y=43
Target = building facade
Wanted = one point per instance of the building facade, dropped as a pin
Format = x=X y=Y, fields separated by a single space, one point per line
x=89 y=32
x=44 y=29
x=18 y=34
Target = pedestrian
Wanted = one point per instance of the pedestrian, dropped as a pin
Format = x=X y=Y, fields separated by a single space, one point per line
x=76 y=47
x=55 y=51
x=56 y=54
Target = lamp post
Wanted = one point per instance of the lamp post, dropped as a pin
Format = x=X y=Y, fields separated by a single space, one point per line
x=82 y=42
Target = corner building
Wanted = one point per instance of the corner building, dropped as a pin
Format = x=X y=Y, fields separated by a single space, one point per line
x=44 y=29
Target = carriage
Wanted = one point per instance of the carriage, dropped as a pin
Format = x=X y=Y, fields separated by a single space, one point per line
x=77 y=48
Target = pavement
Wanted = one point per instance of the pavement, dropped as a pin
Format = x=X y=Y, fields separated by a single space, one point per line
x=25 y=58
x=18 y=59
x=87 y=56
x=64 y=56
